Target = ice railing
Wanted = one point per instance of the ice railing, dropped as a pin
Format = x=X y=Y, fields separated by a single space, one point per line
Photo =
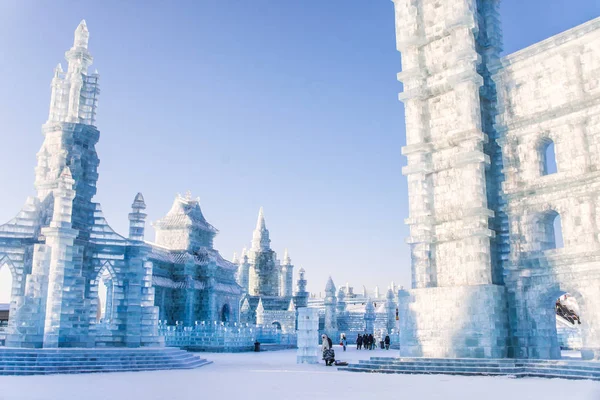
x=222 y=334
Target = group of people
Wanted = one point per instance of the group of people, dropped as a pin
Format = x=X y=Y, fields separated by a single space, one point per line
x=368 y=342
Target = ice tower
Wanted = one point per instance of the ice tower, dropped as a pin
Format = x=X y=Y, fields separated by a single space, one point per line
x=457 y=226
x=268 y=281
x=59 y=246
x=485 y=204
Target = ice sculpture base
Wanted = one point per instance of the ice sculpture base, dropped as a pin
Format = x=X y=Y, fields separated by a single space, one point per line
x=453 y=322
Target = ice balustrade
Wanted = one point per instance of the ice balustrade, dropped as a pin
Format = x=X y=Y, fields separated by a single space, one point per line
x=223 y=335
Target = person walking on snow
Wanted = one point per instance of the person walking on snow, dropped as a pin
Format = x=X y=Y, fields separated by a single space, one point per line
x=359 y=341
x=344 y=341
x=328 y=353
x=387 y=342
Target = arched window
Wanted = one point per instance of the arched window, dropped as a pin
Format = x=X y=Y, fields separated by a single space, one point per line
x=552 y=228
x=6 y=281
x=225 y=313
x=548 y=157
x=105 y=296
x=276 y=325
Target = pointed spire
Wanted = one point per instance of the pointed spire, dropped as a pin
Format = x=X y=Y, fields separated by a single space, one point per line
x=66 y=174
x=330 y=287
x=244 y=257
x=260 y=223
x=245 y=305
x=82 y=35
x=260 y=236
x=235 y=258
x=58 y=71
x=260 y=308
x=292 y=306
x=138 y=202
x=390 y=295
x=286 y=258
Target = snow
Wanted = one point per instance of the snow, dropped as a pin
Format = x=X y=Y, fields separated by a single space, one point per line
x=264 y=375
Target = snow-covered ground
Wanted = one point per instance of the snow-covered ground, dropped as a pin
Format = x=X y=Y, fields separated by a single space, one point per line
x=275 y=375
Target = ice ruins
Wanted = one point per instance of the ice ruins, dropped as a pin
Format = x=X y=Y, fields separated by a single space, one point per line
x=501 y=151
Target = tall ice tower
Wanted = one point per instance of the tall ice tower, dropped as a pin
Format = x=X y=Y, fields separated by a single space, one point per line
x=458 y=238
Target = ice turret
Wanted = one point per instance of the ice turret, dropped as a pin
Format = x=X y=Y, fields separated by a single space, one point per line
x=137 y=218
x=260 y=236
x=287 y=275
x=369 y=316
x=243 y=272
x=390 y=310
x=330 y=309
x=301 y=293
x=260 y=313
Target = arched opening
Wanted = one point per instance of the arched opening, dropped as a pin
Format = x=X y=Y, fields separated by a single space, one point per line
x=568 y=325
x=548 y=157
x=276 y=325
x=551 y=231
x=6 y=286
x=225 y=313
x=105 y=297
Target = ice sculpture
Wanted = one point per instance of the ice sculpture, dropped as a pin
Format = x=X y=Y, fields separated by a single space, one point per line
x=308 y=336
x=59 y=246
x=268 y=283
x=485 y=273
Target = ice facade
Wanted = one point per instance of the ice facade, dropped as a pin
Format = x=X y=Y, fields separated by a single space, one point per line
x=482 y=203
x=268 y=283
x=60 y=246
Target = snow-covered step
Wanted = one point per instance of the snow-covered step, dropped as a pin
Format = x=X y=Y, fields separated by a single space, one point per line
x=507 y=367
x=75 y=361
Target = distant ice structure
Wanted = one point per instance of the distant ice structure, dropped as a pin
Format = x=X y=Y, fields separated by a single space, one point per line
x=308 y=336
x=484 y=208
x=267 y=283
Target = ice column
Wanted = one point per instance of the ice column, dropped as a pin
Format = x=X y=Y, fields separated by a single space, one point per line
x=308 y=336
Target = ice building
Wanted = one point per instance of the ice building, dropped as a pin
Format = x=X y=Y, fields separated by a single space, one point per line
x=192 y=282
x=343 y=312
x=59 y=247
x=501 y=151
x=268 y=283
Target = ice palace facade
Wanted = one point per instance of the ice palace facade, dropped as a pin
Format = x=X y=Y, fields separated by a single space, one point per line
x=484 y=204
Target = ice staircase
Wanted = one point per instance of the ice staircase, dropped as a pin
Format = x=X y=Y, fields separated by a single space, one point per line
x=16 y=361
x=518 y=368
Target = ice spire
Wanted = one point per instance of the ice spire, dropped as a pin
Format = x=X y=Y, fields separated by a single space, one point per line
x=82 y=35
x=292 y=306
x=286 y=258
x=235 y=258
x=137 y=218
x=260 y=237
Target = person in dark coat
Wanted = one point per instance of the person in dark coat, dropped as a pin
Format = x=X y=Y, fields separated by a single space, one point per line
x=327 y=348
x=365 y=342
x=359 y=341
x=371 y=341
x=387 y=342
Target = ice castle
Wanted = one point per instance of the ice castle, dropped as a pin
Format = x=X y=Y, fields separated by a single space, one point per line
x=60 y=249
x=268 y=283
x=485 y=203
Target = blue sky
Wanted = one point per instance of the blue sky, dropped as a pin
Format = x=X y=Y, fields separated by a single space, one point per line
x=287 y=105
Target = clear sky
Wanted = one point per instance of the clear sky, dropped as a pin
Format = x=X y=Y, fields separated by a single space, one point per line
x=290 y=105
